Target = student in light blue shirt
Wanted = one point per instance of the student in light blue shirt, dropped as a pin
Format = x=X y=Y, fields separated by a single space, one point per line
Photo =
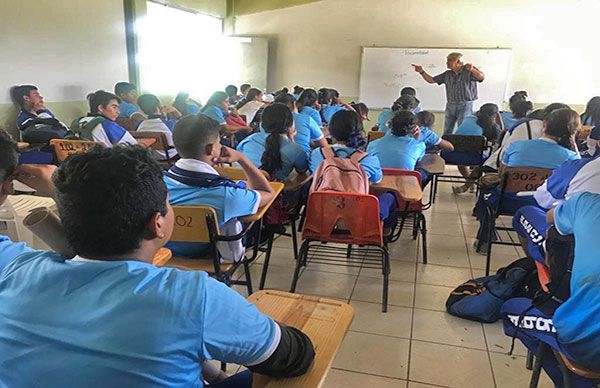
x=426 y=121
x=297 y=91
x=308 y=132
x=109 y=314
x=185 y=105
x=404 y=102
x=519 y=107
x=217 y=108
x=128 y=108
x=307 y=105
x=591 y=116
x=194 y=181
x=330 y=102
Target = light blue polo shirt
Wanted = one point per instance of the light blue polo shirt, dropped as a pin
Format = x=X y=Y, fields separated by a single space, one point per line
x=542 y=153
x=329 y=110
x=369 y=163
x=307 y=131
x=293 y=156
x=313 y=113
x=397 y=151
x=80 y=323
x=508 y=120
x=216 y=113
x=384 y=117
x=192 y=109
x=469 y=127
x=9 y=250
x=430 y=138
x=576 y=321
x=127 y=109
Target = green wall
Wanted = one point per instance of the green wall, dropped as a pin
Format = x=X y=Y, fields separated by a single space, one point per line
x=245 y=7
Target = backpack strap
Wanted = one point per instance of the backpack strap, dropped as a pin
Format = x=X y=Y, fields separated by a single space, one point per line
x=528 y=129
x=358 y=155
x=328 y=152
x=201 y=179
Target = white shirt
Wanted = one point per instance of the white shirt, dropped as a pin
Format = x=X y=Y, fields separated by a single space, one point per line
x=250 y=109
x=157 y=125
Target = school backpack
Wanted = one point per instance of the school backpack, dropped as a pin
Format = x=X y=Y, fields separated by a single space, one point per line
x=343 y=174
x=481 y=299
x=83 y=130
x=42 y=130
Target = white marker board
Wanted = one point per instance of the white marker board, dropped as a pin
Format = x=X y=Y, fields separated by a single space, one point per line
x=384 y=71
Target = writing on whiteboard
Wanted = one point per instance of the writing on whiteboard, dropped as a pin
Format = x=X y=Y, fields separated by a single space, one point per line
x=416 y=52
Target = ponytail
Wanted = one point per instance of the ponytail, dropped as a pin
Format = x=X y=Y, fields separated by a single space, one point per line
x=307 y=98
x=486 y=119
x=346 y=127
x=277 y=119
x=562 y=125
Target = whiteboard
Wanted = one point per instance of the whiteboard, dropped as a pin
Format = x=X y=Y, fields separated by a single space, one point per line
x=384 y=71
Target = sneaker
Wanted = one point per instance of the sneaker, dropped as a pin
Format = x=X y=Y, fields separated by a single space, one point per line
x=483 y=250
x=460 y=189
x=472 y=189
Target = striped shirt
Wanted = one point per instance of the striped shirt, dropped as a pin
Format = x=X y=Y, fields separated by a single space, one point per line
x=461 y=87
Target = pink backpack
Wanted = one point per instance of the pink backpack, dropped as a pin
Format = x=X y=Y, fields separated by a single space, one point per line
x=341 y=174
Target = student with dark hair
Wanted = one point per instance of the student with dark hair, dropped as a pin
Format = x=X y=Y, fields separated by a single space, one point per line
x=297 y=91
x=33 y=114
x=308 y=132
x=308 y=105
x=127 y=93
x=251 y=104
x=217 y=108
x=157 y=122
x=362 y=109
x=232 y=95
x=404 y=102
x=591 y=116
x=410 y=91
x=194 y=181
x=330 y=102
x=426 y=121
x=99 y=125
x=185 y=105
x=115 y=234
x=273 y=148
x=519 y=107
x=244 y=88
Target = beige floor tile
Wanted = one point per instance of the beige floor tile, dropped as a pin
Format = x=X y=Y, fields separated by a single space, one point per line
x=449 y=366
x=443 y=328
x=498 y=342
x=368 y=318
x=279 y=278
x=371 y=289
x=510 y=371
x=400 y=270
x=337 y=378
x=431 y=297
x=329 y=284
x=412 y=384
x=442 y=276
x=404 y=249
x=448 y=250
x=373 y=354
x=281 y=256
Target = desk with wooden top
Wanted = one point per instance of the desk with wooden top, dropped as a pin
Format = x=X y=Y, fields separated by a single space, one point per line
x=162 y=256
x=434 y=164
x=21 y=145
x=278 y=187
x=296 y=181
x=324 y=321
x=406 y=187
x=146 y=142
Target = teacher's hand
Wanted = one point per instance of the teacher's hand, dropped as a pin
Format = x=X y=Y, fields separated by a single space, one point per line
x=418 y=68
x=469 y=66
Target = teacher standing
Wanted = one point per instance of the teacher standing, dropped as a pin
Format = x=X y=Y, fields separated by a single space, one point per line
x=461 y=88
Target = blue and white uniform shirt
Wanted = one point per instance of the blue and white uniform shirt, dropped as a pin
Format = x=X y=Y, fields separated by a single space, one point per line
x=109 y=132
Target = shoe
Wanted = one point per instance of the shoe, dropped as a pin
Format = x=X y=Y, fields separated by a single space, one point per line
x=460 y=189
x=472 y=189
x=483 y=250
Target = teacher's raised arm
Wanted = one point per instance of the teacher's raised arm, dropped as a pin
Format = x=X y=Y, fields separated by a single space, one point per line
x=461 y=88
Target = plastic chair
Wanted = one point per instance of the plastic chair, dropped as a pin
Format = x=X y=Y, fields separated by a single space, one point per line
x=568 y=368
x=348 y=219
x=513 y=180
x=162 y=144
x=64 y=148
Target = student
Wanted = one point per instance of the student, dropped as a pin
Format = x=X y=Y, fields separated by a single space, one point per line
x=482 y=123
x=127 y=92
x=573 y=329
x=519 y=107
x=273 y=149
x=330 y=102
x=554 y=148
x=185 y=105
x=251 y=104
x=157 y=122
x=100 y=124
x=217 y=108
x=109 y=313
x=362 y=109
x=426 y=121
x=307 y=105
x=33 y=112
x=297 y=91
x=308 y=132
x=410 y=91
x=232 y=95
x=405 y=102
x=194 y=181
x=591 y=116
x=244 y=89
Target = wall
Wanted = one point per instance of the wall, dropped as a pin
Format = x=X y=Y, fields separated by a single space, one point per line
x=244 y=7
x=319 y=44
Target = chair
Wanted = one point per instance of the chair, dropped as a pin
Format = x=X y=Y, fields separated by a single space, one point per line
x=406 y=208
x=374 y=135
x=567 y=367
x=468 y=150
x=198 y=224
x=512 y=181
x=64 y=148
x=348 y=219
x=162 y=144
x=128 y=123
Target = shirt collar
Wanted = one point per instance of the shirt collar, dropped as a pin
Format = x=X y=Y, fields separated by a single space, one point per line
x=196 y=166
x=548 y=140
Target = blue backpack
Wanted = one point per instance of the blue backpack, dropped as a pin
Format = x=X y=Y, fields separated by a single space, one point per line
x=481 y=299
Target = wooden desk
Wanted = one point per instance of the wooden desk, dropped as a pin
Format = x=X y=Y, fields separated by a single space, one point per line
x=146 y=142
x=434 y=164
x=22 y=145
x=235 y=173
x=162 y=256
x=296 y=181
x=406 y=187
x=278 y=187
x=325 y=321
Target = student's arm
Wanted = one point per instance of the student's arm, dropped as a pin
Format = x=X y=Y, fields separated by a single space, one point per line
x=316 y=133
x=550 y=216
x=322 y=142
x=38 y=177
x=256 y=180
x=231 y=129
x=426 y=77
x=445 y=145
x=478 y=74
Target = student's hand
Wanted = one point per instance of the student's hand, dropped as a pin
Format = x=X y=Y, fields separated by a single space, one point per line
x=234 y=112
x=38 y=177
x=416 y=132
x=469 y=66
x=318 y=106
x=418 y=68
x=229 y=155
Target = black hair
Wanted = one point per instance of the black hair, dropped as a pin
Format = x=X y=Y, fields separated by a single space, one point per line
x=346 y=127
x=277 y=119
x=19 y=92
x=124 y=87
x=592 y=110
x=537 y=114
x=192 y=133
x=215 y=99
x=405 y=102
x=100 y=98
x=408 y=91
x=552 y=107
x=231 y=90
x=106 y=197
x=361 y=108
x=486 y=119
x=286 y=99
x=252 y=93
x=9 y=155
x=148 y=103
x=403 y=123
x=563 y=123
x=298 y=89
x=308 y=97
x=244 y=87
x=425 y=119
x=180 y=102
x=325 y=96
x=518 y=104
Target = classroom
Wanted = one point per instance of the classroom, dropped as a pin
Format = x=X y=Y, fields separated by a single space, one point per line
x=299 y=193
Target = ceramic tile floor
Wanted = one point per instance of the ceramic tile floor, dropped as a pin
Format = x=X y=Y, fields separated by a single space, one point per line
x=416 y=343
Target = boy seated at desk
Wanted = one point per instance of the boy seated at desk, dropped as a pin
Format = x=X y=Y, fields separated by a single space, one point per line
x=36 y=122
x=128 y=108
x=194 y=181
x=109 y=315
x=157 y=122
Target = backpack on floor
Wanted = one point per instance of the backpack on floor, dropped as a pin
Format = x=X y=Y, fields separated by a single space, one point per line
x=343 y=174
x=481 y=299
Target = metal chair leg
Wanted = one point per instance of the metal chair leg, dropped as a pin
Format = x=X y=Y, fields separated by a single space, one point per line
x=263 y=276
x=303 y=251
x=564 y=371
x=348 y=251
x=529 y=361
x=386 y=275
x=248 y=278
x=294 y=239
x=488 y=258
x=424 y=237
x=416 y=220
x=537 y=365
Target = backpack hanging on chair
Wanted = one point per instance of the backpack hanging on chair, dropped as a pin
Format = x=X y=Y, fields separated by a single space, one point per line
x=343 y=174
